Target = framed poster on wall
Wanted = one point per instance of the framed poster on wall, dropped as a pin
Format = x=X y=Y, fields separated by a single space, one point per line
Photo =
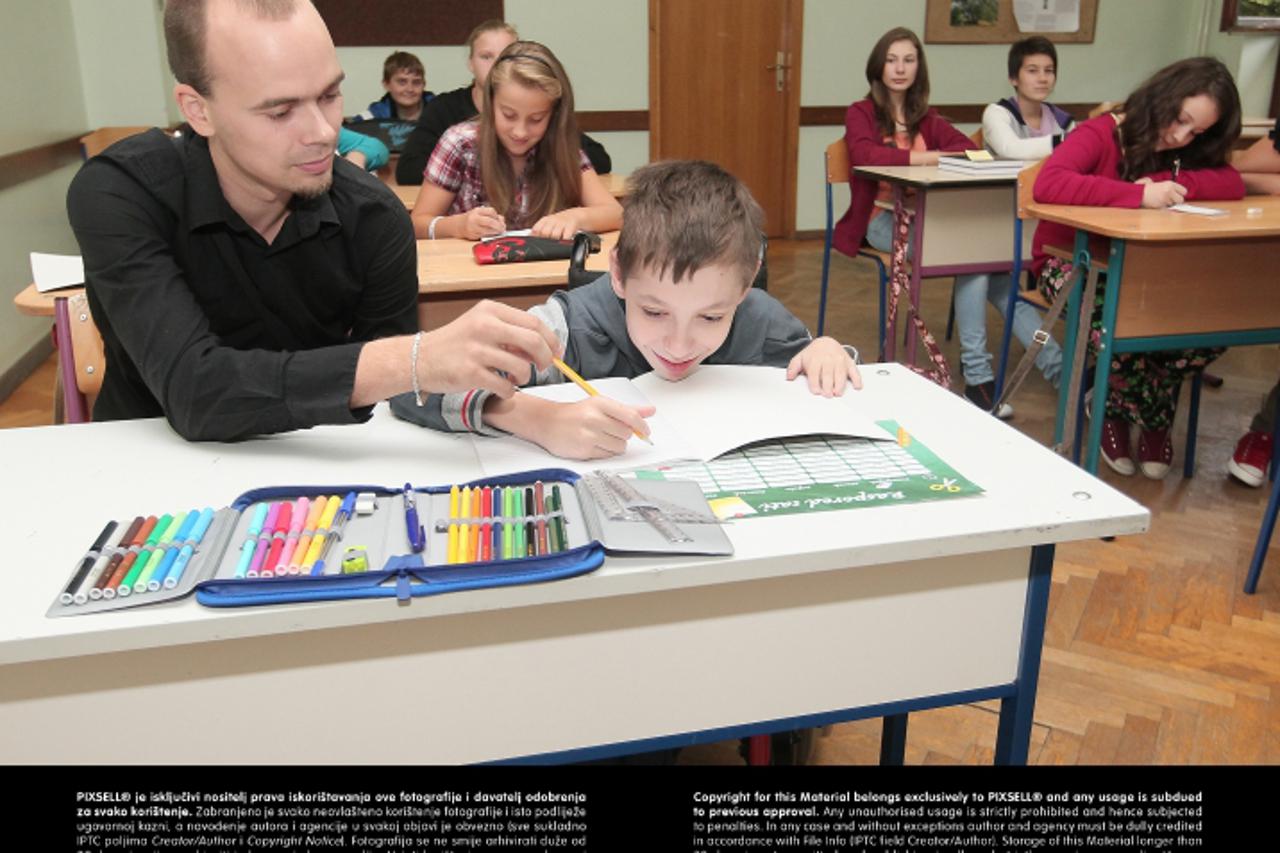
x=383 y=23
x=1006 y=21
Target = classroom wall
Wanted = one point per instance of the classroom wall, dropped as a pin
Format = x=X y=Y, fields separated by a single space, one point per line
x=42 y=102
x=124 y=72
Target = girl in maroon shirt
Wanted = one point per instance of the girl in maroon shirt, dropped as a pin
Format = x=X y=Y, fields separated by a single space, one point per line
x=1166 y=144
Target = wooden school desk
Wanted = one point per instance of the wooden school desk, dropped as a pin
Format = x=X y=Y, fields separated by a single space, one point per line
x=450 y=281
x=817 y=618
x=962 y=224
x=1174 y=280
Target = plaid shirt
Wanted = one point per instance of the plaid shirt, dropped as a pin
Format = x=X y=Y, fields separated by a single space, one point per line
x=455 y=166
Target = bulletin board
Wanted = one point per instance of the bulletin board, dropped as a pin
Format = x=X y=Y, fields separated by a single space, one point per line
x=386 y=23
x=1007 y=21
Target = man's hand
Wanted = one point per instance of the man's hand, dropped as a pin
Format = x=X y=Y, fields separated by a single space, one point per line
x=490 y=338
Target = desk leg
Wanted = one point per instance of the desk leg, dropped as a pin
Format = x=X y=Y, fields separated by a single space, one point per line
x=1069 y=345
x=1013 y=738
x=893 y=740
x=1102 y=367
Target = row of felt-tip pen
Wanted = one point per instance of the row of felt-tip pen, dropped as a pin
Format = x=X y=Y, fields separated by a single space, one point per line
x=293 y=537
x=148 y=555
x=504 y=522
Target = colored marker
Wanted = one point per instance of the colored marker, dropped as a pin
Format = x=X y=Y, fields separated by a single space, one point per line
x=144 y=556
x=561 y=534
x=517 y=533
x=495 y=551
x=464 y=529
x=473 y=549
x=264 y=541
x=413 y=527
x=283 y=520
x=318 y=540
x=486 y=528
x=338 y=522
x=454 y=494
x=530 y=532
x=182 y=530
x=112 y=589
x=68 y=596
x=108 y=571
x=184 y=556
x=540 y=507
x=300 y=512
x=256 y=521
x=508 y=510
x=143 y=583
x=318 y=507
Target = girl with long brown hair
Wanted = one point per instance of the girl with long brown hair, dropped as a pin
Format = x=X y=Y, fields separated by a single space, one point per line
x=1168 y=143
x=518 y=164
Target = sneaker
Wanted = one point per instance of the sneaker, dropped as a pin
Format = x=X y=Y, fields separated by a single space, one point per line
x=1115 y=446
x=1155 y=453
x=1252 y=458
x=983 y=395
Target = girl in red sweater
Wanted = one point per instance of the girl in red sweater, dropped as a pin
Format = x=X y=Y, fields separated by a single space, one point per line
x=1166 y=144
x=894 y=126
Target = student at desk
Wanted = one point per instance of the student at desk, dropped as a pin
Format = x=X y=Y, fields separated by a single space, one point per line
x=517 y=165
x=484 y=44
x=678 y=295
x=1166 y=144
x=245 y=280
x=1259 y=166
x=895 y=126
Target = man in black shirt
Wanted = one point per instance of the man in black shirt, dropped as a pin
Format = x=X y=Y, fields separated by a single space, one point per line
x=245 y=282
x=444 y=111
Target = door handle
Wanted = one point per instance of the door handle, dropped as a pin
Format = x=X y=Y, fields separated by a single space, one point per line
x=779 y=69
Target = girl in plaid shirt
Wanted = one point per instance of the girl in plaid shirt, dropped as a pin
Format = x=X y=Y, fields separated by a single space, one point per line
x=518 y=164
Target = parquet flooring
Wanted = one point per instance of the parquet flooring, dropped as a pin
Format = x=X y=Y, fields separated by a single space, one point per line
x=1153 y=654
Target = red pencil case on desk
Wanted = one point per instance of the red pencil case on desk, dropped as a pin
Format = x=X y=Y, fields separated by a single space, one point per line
x=514 y=249
x=232 y=566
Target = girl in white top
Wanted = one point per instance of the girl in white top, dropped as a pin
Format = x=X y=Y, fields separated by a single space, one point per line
x=1026 y=126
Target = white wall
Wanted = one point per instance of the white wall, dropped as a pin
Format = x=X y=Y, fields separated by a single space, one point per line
x=42 y=102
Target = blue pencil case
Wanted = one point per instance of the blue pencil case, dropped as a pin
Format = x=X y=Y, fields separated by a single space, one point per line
x=315 y=543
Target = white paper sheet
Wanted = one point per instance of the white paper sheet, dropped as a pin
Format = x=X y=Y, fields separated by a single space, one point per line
x=751 y=404
x=1198 y=210
x=52 y=272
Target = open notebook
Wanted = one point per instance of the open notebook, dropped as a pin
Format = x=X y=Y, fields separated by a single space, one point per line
x=717 y=409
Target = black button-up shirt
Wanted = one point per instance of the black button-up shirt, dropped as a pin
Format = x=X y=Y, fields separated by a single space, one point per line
x=207 y=324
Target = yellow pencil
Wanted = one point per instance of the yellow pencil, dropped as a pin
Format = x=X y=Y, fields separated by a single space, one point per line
x=452 y=556
x=572 y=376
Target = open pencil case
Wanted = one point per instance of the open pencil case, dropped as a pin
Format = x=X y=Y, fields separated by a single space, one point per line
x=313 y=543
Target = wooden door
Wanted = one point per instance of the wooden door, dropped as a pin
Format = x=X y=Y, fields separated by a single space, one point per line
x=724 y=86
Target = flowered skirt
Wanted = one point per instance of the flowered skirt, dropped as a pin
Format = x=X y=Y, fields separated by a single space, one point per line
x=1143 y=386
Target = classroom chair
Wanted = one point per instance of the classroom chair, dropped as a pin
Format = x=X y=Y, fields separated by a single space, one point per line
x=81 y=346
x=1026 y=182
x=94 y=143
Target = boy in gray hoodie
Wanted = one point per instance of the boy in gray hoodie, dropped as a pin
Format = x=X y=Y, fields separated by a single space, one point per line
x=677 y=295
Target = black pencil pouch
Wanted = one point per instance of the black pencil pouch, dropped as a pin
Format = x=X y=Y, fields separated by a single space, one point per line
x=251 y=554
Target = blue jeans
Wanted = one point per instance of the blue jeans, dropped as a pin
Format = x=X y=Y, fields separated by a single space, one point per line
x=971 y=292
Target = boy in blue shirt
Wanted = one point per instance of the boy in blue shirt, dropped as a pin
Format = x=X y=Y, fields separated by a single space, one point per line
x=678 y=295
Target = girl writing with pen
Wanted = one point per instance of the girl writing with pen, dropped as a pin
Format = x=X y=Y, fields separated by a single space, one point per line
x=1166 y=144
x=518 y=164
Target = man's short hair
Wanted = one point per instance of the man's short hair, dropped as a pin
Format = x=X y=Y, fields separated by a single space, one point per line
x=402 y=60
x=682 y=215
x=186 y=31
x=1032 y=46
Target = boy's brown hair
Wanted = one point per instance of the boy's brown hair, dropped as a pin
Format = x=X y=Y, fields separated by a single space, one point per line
x=402 y=60
x=683 y=215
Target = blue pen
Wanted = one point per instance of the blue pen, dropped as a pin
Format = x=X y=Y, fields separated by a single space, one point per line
x=417 y=535
x=184 y=556
x=255 y=527
x=157 y=580
x=335 y=531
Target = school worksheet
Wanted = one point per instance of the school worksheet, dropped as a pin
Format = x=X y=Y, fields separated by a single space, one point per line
x=756 y=444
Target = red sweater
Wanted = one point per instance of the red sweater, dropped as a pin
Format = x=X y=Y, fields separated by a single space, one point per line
x=1085 y=170
x=867 y=147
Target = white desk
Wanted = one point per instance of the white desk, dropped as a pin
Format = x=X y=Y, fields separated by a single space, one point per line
x=967 y=219
x=818 y=618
